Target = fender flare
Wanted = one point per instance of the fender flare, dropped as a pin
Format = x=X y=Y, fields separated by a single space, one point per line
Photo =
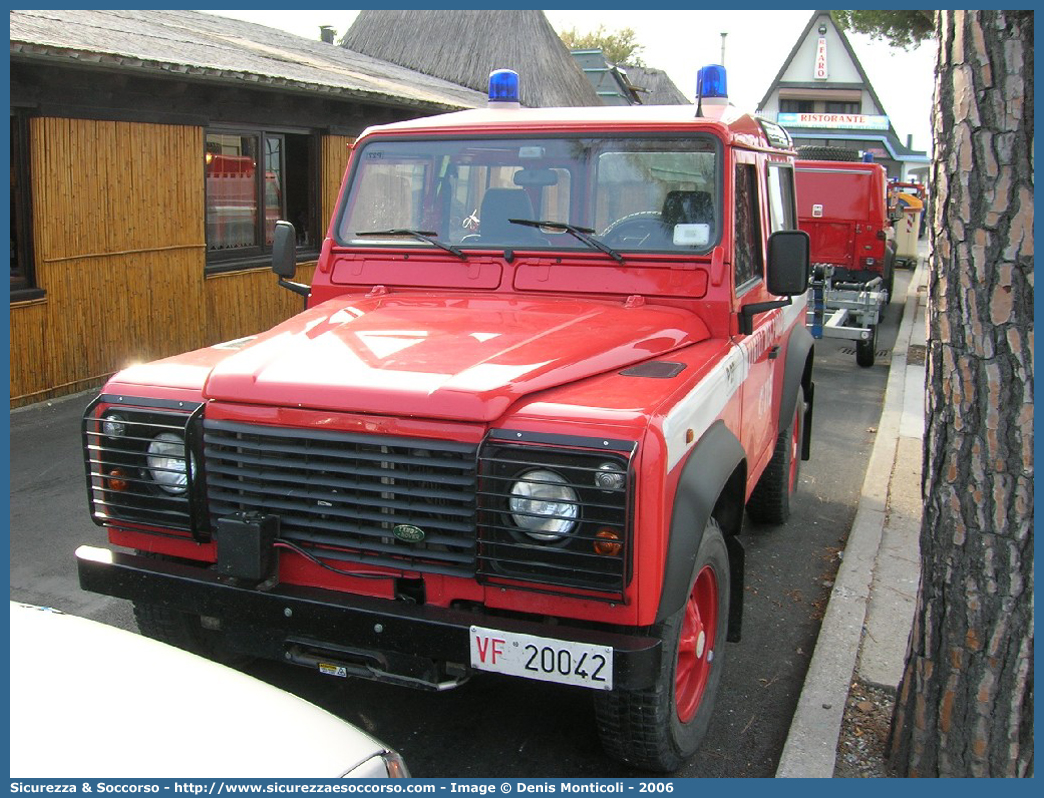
x=704 y=476
x=799 y=349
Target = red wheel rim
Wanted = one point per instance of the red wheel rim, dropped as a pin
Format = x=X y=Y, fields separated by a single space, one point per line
x=696 y=644
x=795 y=450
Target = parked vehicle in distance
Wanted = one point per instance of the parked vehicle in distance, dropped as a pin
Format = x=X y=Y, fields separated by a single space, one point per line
x=550 y=357
x=93 y=701
x=844 y=208
x=908 y=203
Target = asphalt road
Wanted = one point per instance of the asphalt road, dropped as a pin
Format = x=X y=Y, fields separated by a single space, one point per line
x=499 y=726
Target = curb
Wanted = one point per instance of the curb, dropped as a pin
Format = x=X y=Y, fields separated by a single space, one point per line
x=811 y=746
x=85 y=396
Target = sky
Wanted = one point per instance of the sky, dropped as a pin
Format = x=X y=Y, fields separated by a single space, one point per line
x=680 y=42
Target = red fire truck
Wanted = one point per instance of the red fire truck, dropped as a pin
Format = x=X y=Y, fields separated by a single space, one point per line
x=844 y=208
x=549 y=357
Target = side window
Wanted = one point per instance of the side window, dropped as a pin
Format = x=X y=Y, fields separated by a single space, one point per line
x=782 y=211
x=253 y=179
x=747 y=260
x=23 y=283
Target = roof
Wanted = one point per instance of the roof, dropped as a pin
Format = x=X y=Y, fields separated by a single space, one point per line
x=623 y=84
x=655 y=87
x=608 y=80
x=742 y=128
x=196 y=46
x=465 y=46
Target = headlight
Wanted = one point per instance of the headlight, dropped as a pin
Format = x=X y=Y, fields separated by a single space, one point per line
x=166 y=462
x=543 y=505
x=388 y=765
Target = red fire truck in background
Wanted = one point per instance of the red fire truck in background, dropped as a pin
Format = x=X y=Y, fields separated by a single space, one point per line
x=549 y=359
x=844 y=209
x=844 y=206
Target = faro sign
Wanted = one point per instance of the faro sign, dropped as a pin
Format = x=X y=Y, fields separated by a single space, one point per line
x=820 y=72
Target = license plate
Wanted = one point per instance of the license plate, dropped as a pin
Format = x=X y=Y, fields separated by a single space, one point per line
x=542 y=658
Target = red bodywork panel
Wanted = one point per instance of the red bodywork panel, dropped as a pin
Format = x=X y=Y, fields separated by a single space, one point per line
x=844 y=209
x=443 y=355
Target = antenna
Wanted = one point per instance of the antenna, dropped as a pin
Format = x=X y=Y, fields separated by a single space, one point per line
x=723 y=35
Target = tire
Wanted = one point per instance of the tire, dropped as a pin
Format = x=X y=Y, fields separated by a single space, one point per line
x=184 y=630
x=816 y=153
x=661 y=727
x=866 y=350
x=769 y=502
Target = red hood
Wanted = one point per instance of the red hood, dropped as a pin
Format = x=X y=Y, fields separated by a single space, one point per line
x=458 y=357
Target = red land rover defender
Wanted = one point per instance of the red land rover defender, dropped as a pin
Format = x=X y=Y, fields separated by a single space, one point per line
x=844 y=209
x=523 y=448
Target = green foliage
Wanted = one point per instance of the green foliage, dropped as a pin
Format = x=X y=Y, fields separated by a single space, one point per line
x=620 y=48
x=905 y=29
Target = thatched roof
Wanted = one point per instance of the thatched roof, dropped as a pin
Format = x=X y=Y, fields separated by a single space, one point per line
x=465 y=46
x=654 y=87
x=196 y=46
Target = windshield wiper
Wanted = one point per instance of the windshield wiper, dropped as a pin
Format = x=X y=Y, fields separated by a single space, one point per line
x=579 y=233
x=427 y=236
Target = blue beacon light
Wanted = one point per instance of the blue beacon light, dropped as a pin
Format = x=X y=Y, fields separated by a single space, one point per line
x=711 y=83
x=503 y=88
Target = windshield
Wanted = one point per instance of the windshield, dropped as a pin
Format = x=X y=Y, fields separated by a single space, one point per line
x=656 y=194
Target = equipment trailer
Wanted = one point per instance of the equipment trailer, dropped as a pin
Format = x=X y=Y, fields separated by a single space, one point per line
x=846 y=309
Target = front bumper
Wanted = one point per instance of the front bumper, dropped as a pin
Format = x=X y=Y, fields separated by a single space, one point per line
x=415 y=645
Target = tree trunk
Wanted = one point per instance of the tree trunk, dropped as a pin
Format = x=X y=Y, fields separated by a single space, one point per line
x=965 y=704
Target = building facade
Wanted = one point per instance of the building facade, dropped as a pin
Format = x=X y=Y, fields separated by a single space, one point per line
x=151 y=154
x=822 y=96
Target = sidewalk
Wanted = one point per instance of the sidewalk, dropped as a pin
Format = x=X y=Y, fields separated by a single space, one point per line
x=871 y=607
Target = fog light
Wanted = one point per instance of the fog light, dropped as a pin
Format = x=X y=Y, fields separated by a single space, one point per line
x=608 y=543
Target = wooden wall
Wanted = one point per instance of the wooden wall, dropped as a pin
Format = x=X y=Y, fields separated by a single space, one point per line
x=119 y=248
x=336 y=150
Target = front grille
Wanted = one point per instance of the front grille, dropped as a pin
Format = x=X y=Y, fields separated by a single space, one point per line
x=350 y=497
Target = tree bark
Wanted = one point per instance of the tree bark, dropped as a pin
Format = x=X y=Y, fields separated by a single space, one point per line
x=965 y=704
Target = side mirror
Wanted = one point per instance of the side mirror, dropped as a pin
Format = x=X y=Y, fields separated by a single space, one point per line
x=788 y=262
x=284 y=250
x=284 y=257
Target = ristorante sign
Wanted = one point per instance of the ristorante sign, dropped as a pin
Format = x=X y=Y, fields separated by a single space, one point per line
x=848 y=121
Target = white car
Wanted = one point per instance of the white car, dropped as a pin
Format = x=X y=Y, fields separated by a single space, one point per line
x=93 y=701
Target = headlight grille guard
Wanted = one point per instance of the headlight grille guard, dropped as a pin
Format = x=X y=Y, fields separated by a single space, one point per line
x=571 y=566
x=141 y=502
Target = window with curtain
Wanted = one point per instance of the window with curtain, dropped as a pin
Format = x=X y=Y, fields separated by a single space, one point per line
x=255 y=178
